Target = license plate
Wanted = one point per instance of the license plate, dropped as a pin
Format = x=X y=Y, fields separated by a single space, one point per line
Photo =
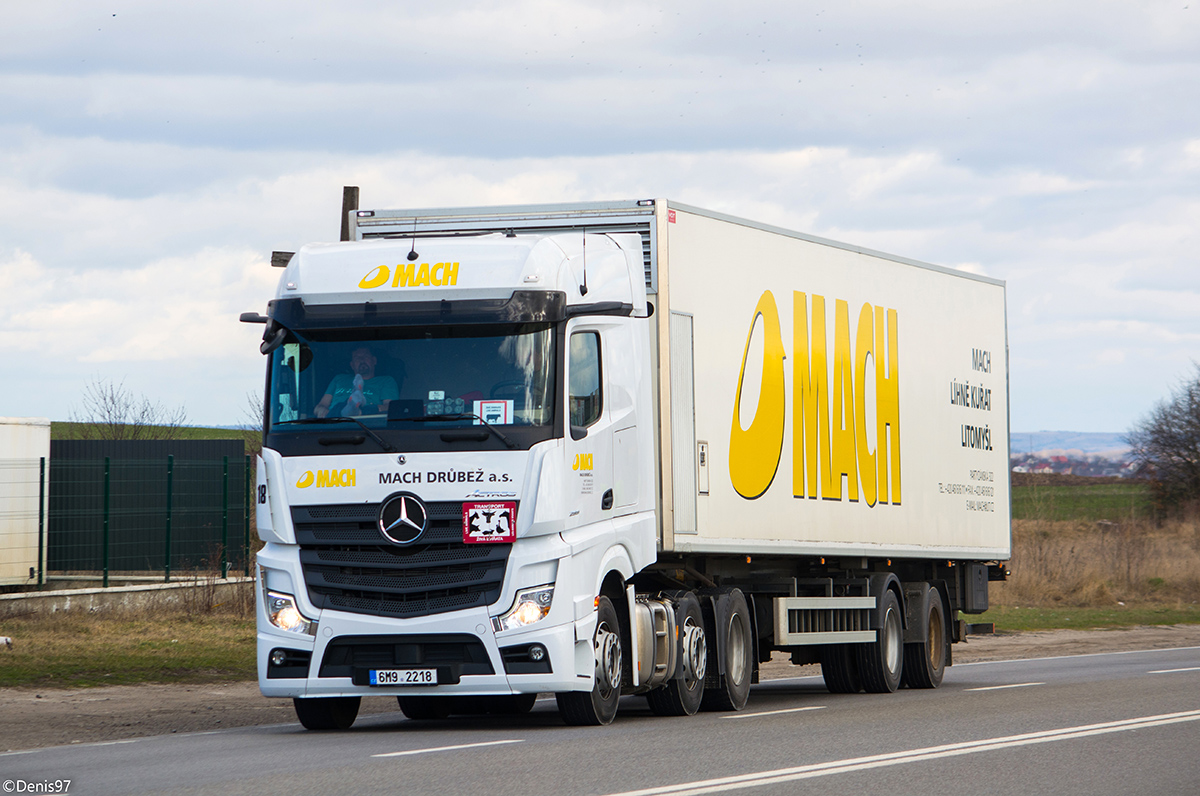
x=404 y=677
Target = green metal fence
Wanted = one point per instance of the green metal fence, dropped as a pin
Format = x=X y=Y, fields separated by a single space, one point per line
x=122 y=517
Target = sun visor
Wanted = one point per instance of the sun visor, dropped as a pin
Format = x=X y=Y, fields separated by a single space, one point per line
x=524 y=306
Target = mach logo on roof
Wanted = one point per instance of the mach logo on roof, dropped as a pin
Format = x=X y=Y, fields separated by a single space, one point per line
x=411 y=275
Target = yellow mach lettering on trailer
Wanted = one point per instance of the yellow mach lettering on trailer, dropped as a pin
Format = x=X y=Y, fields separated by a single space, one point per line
x=411 y=275
x=327 y=478
x=829 y=440
x=754 y=452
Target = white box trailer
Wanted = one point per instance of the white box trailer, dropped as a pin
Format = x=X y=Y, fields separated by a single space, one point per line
x=729 y=439
x=24 y=457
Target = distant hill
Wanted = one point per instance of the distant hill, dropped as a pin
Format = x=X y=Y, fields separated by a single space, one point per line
x=1069 y=443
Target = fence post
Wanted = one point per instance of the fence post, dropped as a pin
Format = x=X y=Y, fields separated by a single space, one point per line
x=224 y=516
x=170 y=495
x=105 y=539
x=41 y=519
x=246 y=517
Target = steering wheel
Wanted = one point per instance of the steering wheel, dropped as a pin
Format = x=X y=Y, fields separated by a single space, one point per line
x=515 y=386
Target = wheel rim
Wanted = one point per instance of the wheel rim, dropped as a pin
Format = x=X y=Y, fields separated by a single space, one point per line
x=695 y=656
x=893 y=646
x=936 y=640
x=736 y=659
x=608 y=660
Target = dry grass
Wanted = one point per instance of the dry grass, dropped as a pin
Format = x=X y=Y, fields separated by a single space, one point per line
x=1101 y=563
x=201 y=636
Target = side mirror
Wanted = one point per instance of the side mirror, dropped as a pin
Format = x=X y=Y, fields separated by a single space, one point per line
x=578 y=432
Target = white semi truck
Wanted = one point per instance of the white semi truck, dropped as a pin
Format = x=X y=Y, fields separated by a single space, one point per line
x=619 y=448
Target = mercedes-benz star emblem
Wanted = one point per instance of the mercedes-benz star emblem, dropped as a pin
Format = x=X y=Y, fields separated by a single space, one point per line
x=402 y=518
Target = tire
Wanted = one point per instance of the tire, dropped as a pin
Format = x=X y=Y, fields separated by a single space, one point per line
x=327 y=713
x=681 y=696
x=839 y=667
x=925 y=661
x=732 y=688
x=598 y=706
x=425 y=707
x=881 y=663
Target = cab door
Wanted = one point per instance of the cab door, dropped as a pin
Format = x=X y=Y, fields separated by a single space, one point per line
x=589 y=432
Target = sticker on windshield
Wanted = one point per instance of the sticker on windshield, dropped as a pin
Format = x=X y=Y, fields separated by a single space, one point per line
x=495 y=412
x=489 y=522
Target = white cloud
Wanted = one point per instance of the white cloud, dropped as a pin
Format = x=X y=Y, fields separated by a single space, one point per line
x=151 y=160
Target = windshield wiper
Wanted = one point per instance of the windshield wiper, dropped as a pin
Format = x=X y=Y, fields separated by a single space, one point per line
x=461 y=416
x=382 y=442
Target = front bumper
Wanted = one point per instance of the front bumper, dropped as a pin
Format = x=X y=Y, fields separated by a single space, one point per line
x=339 y=630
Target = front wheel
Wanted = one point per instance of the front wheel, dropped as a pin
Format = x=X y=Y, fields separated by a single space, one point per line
x=327 y=713
x=598 y=706
x=881 y=663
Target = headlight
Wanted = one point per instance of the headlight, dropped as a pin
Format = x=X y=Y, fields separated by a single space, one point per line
x=531 y=606
x=283 y=613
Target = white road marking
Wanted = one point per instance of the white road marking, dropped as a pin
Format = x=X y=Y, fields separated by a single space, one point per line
x=998 y=687
x=912 y=756
x=772 y=712
x=449 y=748
x=1172 y=671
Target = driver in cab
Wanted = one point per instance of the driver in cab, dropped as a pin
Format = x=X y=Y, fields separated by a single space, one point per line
x=360 y=391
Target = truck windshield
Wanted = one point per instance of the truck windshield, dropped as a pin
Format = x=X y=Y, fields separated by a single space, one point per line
x=402 y=380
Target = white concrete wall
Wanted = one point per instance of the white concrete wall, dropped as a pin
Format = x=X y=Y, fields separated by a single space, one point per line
x=24 y=441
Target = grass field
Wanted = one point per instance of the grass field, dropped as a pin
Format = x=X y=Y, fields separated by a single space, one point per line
x=1015 y=618
x=72 y=650
x=1080 y=550
x=1112 y=501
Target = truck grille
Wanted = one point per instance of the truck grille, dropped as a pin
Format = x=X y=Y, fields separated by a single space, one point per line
x=348 y=566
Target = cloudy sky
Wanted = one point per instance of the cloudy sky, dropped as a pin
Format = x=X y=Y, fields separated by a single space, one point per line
x=153 y=154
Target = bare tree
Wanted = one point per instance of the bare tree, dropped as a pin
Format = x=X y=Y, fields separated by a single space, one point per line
x=112 y=412
x=1166 y=445
x=253 y=412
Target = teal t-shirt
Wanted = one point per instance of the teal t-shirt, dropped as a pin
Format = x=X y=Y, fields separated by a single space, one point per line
x=375 y=391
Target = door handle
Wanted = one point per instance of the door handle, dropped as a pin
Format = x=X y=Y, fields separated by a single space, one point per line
x=606 y=501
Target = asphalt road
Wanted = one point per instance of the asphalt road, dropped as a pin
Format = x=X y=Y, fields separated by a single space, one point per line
x=1115 y=723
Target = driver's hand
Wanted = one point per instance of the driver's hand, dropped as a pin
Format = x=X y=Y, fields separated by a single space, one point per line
x=321 y=411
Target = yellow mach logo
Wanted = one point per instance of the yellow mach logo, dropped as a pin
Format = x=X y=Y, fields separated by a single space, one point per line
x=326 y=478
x=411 y=275
x=829 y=440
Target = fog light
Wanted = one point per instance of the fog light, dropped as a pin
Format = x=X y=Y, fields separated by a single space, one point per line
x=278 y=657
x=537 y=652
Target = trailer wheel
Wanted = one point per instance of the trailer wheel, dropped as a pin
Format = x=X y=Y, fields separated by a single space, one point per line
x=598 y=706
x=327 y=713
x=839 y=667
x=733 y=688
x=881 y=663
x=681 y=696
x=925 y=661
x=425 y=707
